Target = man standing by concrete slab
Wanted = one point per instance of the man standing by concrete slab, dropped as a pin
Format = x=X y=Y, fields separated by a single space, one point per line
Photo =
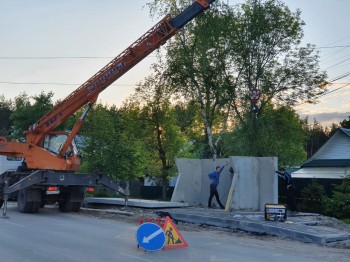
x=287 y=177
x=214 y=182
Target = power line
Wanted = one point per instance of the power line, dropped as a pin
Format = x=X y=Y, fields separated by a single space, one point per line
x=55 y=57
x=327 y=93
x=328 y=47
x=43 y=83
x=52 y=57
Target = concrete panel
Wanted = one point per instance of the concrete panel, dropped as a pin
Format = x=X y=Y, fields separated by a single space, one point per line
x=253 y=185
x=188 y=186
x=246 y=183
x=268 y=181
x=193 y=183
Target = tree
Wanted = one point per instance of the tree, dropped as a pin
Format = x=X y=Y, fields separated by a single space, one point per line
x=163 y=140
x=345 y=123
x=188 y=118
x=312 y=198
x=338 y=205
x=105 y=150
x=28 y=110
x=5 y=112
x=194 y=69
x=279 y=132
x=230 y=52
x=316 y=137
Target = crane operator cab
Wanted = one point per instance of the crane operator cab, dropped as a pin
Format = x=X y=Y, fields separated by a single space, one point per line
x=54 y=142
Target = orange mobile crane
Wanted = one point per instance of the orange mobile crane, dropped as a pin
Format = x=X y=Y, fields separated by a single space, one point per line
x=51 y=157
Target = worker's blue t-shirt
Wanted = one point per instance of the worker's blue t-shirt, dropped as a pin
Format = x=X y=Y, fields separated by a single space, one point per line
x=215 y=177
x=286 y=176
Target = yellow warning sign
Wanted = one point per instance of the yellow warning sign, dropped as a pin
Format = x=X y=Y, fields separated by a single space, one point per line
x=173 y=238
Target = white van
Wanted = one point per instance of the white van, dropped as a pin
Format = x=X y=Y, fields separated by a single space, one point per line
x=9 y=163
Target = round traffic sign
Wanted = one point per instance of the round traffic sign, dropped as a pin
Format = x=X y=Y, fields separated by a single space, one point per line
x=150 y=237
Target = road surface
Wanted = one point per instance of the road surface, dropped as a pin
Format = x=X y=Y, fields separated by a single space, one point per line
x=50 y=236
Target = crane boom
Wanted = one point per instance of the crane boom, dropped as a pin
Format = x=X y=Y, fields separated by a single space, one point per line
x=36 y=155
x=89 y=91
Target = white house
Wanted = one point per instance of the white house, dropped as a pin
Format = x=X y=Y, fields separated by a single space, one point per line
x=331 y=161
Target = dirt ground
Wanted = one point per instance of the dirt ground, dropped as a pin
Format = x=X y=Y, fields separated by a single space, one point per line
x=134 y=215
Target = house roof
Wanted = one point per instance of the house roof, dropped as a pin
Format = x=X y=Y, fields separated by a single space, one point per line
x=322 y=172
x=336 y=148
x=334 y=153
x=346 y=131
x=327 y=163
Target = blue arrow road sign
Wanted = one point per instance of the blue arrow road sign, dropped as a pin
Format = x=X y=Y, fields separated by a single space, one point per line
x=150 y=237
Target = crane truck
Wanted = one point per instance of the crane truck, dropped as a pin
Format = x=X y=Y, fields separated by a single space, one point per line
x=50 y=157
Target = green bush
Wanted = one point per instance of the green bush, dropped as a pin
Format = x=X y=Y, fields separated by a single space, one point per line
x=346 y=220
x=339 y=204
x=312 y=198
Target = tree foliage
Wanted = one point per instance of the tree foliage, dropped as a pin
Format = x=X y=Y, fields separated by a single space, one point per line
x=312 y=198
x=277 y=132
x=27 y=110
x=106 y=150
x=339 y=204
x=163 y=139
x=316 y=137
x=6 y=110
x=230 y=51
x=267 y=56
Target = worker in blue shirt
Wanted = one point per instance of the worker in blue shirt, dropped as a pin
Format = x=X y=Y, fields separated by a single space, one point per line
x=287 y=177
x=214 y=182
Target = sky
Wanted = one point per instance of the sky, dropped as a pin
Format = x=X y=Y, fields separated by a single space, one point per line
x=58 y=45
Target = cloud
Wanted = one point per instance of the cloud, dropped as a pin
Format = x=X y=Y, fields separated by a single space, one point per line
x=327 y=119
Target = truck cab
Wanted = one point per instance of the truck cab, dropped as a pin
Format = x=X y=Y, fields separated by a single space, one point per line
x=9 y=163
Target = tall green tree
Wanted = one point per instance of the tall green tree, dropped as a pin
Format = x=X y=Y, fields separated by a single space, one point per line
x=105 y=149
x=5 y=113
x=188 y=118
x=316 y=137
x=279 y=132
x=265 y=36
x=345 y=123
x=163 y=140
x=27 y=110
x=232 y=51
x=196 y=68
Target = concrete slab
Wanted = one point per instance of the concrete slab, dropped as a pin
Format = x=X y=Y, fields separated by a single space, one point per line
x=254 y=222
x=253 y=185
x=134 y=202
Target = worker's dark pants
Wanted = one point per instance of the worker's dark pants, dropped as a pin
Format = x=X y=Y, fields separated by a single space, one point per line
x=291 y=201
x=214 y=192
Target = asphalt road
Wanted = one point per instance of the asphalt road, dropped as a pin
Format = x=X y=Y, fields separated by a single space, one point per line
x=54 y=236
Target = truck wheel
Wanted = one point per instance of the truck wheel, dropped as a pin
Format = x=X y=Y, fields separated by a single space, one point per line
x=76 y=206
x=65 y=205
x=72 y=199
x=42 y=204
x=28 y=200
x=35 y=207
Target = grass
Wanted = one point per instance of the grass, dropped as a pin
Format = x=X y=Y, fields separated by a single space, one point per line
x=346 y=220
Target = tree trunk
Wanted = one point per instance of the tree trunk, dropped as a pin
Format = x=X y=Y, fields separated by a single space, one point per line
x=164 y=187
